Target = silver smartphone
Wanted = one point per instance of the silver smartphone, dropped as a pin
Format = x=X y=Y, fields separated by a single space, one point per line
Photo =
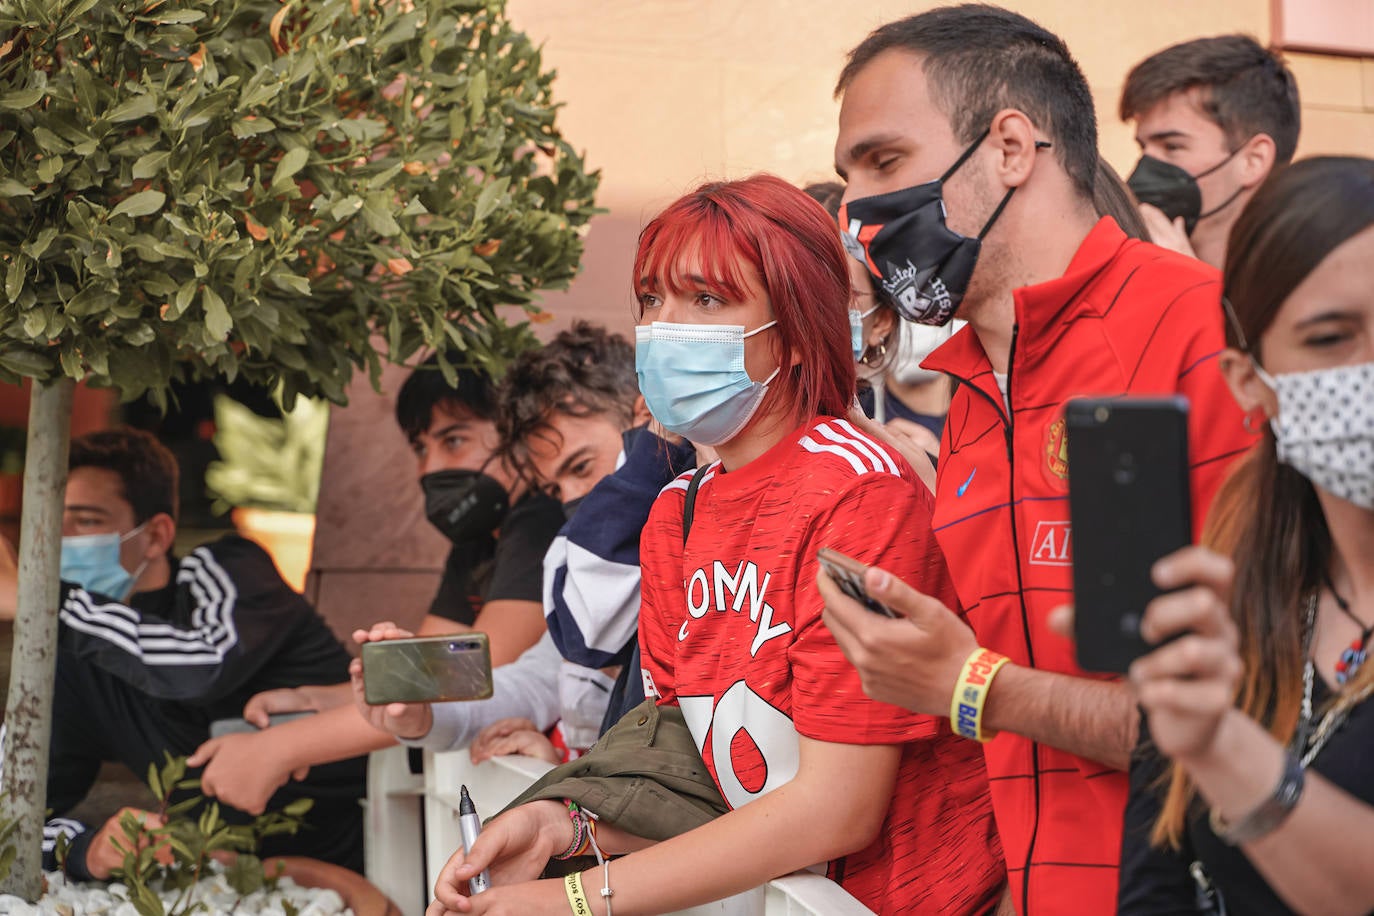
x=427 y=669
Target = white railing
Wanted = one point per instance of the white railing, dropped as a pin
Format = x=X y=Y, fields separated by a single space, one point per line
x=396 y=834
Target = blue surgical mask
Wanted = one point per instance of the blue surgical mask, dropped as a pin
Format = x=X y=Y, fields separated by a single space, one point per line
x=856 y=331
x=693 y=379
x=92 y=561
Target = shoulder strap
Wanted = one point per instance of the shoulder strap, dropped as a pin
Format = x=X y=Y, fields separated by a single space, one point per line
x=689 y=505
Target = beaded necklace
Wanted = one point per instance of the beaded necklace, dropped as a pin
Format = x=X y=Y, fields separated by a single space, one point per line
x=1307 y=744
x=1354 y=656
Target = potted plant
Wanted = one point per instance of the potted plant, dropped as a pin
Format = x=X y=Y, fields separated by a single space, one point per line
x=279 y=191
x=269 y=476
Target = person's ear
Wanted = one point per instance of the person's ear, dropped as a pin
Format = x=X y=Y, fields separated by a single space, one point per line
x=1257 y=159
x=1015 y=138
x=884 y=324
x=162 y=534
x=1249 y=390
x=640 y=415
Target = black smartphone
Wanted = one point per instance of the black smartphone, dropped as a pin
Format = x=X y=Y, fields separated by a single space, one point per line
x=222 y=727
x=427 y=669
x=1129 y=506
x=848 y=574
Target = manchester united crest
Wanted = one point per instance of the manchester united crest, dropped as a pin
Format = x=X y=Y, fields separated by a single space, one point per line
x=1057 y=452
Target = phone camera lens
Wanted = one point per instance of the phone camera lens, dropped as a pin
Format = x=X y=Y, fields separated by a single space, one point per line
x=454 y=646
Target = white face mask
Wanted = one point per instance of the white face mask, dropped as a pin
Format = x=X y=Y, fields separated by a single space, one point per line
x=1325 y=428
x=916 y=343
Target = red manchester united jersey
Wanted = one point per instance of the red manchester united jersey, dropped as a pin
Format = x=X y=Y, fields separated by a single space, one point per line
x=1125 y=318
x=731 y=631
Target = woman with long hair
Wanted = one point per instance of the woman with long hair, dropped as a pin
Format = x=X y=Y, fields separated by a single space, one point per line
x=1257 y=793
x=743 y=344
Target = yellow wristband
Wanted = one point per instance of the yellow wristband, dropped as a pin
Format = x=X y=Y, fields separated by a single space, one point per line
x=971 y=692
x=581 y=906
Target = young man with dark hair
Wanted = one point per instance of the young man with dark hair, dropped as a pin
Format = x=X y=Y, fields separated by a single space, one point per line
x=1213 y=117
x=154 y=647
x=969 y=145
x=500 y=529
x=571 y=420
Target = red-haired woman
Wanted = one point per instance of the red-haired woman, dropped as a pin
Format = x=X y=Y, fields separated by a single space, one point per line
x=744 y=345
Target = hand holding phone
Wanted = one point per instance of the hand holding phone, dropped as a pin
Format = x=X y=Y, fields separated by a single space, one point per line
x=1129 y=506
x=848 y=575
x=427 y=669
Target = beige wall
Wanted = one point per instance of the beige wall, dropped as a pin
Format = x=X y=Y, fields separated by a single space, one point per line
x=665 y=93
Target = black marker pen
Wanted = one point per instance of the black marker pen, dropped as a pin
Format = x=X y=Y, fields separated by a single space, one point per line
x=471 y=826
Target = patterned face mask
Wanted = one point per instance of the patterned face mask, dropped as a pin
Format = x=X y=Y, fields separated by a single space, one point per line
x=1325 y=428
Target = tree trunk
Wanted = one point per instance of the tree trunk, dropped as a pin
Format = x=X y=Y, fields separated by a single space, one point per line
x=28 y=717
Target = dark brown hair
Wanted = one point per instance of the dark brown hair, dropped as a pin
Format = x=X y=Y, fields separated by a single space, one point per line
x=582 y=372
x=1245 y=89
x=1112 y=197
x=981 y=59
x=1266 y=515
x=146 y=468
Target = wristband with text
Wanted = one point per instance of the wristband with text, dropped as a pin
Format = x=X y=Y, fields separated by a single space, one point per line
x=971 y=692
x=581 y=906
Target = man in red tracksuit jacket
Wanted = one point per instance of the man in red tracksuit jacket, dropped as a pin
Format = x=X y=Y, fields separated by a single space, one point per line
x=972 y=122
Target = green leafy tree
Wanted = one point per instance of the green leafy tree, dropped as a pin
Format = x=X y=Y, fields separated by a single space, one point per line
x=283 y=192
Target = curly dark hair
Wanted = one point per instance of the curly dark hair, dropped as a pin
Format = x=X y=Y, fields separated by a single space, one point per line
x=147 y=469
x=584 y=371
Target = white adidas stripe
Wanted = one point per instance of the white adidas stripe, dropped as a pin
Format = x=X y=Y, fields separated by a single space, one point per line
x=864 y=451
x=811 y=445
x=211 y=637
x=878 y=448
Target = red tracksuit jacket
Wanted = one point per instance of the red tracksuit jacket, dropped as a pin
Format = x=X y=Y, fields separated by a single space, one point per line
x=1125 y=318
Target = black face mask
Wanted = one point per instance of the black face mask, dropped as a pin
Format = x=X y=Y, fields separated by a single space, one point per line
x=464 y=504
x=1174 y=191
x=570 y=507
x=922 y=264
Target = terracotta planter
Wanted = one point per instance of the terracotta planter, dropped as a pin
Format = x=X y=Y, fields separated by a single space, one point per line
x=287 y=536
x=361 y=895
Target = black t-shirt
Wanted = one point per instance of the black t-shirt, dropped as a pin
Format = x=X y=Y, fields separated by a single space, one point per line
x=1157 y=881
x=509 y=567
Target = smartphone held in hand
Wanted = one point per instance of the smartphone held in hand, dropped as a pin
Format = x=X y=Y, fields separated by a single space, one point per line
x=1129 y=507
x=848 y=574
x=427 y=669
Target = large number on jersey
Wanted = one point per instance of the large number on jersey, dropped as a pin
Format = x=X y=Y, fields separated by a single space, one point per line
x=770 y=730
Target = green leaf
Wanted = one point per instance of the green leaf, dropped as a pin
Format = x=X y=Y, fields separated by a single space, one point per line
x=292 y=162
x=11 y=188
x=19 y=99
x=140 y=106
x=150 y=165
x=489 y=197
x=377 y=215
x=218 y=323
x=49 y=168
x=14 y=278
x=140 y=204
x=39 y=245
x=174 y=16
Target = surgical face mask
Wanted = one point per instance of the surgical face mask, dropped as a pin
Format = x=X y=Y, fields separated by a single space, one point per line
x=583 y=695
x=1174 y=191
x=856 y=331
x=92 y=561
x=464 y=504
x=1325 y=428
x=692 y=377
x=919 y=261
x=917 y=341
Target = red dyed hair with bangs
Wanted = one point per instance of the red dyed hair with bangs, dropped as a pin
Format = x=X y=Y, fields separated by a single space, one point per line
x=794 y=246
